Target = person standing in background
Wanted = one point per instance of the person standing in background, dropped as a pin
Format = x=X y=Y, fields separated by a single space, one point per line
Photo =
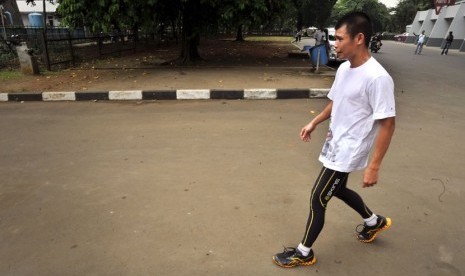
x=420 y=42
x=319 y=37
x=449 y=40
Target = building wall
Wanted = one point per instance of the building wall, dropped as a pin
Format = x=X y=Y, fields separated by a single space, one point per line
x=26 y=9
x=437 y=27
x=9 y=6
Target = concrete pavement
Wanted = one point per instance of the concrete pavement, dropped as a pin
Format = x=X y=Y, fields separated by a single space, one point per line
x=217 y=187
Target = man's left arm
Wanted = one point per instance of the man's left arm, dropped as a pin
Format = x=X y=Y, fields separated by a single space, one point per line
x=386 y=130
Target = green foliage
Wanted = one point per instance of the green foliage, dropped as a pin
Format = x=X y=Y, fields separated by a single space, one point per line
x=405 y=12
x=312 y=12
x=190 y=16
x=378 y=12
x=316 y=13
x=103 y=15
x=250 y=13
x=384 y=19
x=243 y=11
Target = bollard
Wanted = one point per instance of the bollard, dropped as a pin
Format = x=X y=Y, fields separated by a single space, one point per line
x=27 y=61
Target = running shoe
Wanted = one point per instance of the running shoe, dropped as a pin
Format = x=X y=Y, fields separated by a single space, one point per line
x=292 y=257
x=369 y=233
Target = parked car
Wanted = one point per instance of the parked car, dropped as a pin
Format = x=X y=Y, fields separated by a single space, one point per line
x=332 y=48
x=401 y=37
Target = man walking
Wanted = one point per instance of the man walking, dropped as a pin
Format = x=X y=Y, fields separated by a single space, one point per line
x=420 y=42
x=362 y=112
x=449 y=40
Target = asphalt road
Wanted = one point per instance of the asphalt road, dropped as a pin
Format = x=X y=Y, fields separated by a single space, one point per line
x=218 y=187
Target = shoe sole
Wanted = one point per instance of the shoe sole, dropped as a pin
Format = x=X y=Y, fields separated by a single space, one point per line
x=309 y=263
x=385 y=227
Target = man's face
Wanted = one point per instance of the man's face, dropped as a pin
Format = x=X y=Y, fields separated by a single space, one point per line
x=346 y=46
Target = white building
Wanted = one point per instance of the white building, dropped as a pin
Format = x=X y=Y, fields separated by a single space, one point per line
x=50 y=9
x=438 y=26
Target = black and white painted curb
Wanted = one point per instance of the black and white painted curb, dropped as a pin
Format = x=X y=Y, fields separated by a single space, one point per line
x=185 y=94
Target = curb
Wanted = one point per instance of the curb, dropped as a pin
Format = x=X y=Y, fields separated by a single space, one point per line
x=181 y=94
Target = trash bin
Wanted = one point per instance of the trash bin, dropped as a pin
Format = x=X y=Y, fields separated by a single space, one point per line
x=319 y=55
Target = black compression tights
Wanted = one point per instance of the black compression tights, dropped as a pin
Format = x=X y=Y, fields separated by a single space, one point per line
x=330 y=183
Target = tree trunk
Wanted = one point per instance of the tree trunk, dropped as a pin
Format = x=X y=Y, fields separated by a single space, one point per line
x=190 y=32
x=299 y=22
x=190 y=53
x=239 y=36
x=135 y=33
x=44 y=15
x=174 y=29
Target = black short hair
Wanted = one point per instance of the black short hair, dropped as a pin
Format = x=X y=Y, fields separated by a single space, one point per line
x=357 y=22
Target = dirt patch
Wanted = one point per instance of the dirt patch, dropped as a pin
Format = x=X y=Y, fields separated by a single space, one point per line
x=227 y=65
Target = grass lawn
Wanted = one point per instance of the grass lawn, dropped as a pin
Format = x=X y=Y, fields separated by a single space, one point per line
x=269 y=38
x=9 y=75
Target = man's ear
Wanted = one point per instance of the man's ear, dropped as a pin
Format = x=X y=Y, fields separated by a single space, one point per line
x=360 y=39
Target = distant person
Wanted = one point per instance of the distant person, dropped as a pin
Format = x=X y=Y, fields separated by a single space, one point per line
x=449 y=40
x=328 y=46
x=298 y=36
x=319 y=37
x=362 y=112
x=420 y=42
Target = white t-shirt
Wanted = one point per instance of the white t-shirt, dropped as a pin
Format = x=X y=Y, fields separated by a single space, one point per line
x=421 y=38
x=360 y=96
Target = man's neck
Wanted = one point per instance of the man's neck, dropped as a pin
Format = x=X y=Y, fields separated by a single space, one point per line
x=360 y=58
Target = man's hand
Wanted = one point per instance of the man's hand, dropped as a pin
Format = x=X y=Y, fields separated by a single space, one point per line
x=310 y=127
x=306 y=131
x=386 y=130
x=370 y=177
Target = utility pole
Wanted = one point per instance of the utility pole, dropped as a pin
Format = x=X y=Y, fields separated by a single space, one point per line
x=3 y=22
x=45 y=17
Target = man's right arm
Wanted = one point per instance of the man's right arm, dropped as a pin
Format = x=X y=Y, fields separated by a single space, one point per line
x=310 y=127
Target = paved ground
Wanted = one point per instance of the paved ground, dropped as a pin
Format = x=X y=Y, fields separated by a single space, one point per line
x=227 y=65
x=217 y=187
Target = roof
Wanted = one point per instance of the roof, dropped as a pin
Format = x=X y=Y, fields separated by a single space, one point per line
x=25 y=8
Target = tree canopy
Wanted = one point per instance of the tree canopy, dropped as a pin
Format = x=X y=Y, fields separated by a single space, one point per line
x=192 y=17
x=315 y=13
x=404 y=12
x=378 y=12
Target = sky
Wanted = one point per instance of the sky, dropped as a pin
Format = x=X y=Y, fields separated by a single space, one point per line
x=389 y=3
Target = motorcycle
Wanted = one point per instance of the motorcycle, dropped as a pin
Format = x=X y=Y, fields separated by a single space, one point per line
x=375 y=44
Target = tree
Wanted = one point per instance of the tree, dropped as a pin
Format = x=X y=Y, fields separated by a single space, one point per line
x=194 y=14
x=317 y=13
x=378 y=12
x=121 y=14
x=252 y=13
x=192 y=17
x=405 y=11
x=106 y=15
x=283 y=18
x=312 y=12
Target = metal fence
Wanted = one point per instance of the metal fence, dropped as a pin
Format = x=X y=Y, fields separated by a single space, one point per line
x=57 y=48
